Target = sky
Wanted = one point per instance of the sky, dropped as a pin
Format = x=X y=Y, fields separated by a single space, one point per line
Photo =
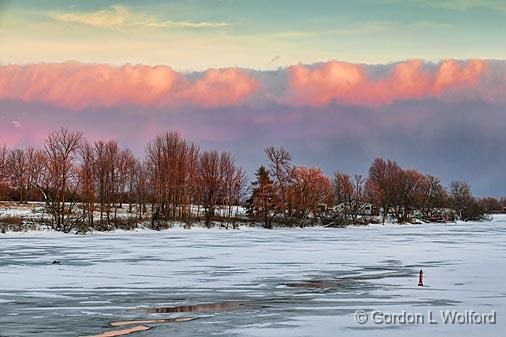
x=338 y=83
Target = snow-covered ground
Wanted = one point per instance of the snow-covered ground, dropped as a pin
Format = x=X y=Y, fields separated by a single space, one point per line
x=30 y=210
x=29 y=216
x=269 y=283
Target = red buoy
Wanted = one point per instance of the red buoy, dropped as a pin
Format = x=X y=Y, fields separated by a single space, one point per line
x=420 y=278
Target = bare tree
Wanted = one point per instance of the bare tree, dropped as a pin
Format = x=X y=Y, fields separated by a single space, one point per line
x=17 y=161
x=351 y=196
x=410 y=187
x=463 y=202
x=232 y=185
x=87 y=180
x=382 y=183
x=140 y=188
x=172 y=165
x=211 y=180
x=4 y=171
x=434 y=196
x=60 y=149
x=112 y=151
x=238 y=188
x=280 y=168
x=491 y=205
x=35 y=170
x=102 y=179
x=127 y=165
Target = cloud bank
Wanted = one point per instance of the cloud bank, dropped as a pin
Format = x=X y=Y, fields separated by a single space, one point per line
x=350 y=83
x=79 y=86
x=448 y=119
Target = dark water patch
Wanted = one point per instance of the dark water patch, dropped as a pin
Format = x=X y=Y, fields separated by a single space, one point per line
x=317 y=284
x=394 y=262
x=153 y=321
x=436 y=263
x=200 y=308
x=383 y=273
x=344 y=284
x=447 y=242
x=436 y=302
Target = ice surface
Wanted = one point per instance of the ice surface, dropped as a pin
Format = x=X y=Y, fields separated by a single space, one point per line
x=286 y=282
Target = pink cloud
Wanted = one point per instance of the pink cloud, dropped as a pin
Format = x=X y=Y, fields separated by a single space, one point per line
x=77 y=86
x=221 y=87
x=332 y=80
x=350 y=83
x=452 y=74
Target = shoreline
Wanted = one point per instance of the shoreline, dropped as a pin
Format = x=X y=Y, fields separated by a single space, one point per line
x=33 y=218
x=181 y=228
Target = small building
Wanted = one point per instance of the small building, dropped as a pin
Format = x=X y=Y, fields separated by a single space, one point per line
x=364 y=208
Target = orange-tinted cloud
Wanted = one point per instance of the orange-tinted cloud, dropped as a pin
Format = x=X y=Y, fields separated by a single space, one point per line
x=452 y=74
x=332 y=80
x=350 y=83
x=77 y=86
x=221 y=87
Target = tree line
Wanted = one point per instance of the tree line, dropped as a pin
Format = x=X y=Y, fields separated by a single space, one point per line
x=84 y=185
x=283 y=192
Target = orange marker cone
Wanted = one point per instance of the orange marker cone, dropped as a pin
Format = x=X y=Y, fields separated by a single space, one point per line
x=420 y=278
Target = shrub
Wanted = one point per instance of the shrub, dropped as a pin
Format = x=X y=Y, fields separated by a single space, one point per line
x=11 y=220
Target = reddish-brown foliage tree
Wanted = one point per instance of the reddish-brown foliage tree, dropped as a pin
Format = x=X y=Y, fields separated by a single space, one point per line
x=311 y=192
x=382 y=183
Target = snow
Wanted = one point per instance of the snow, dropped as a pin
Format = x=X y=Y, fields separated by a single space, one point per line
x=28 y=210
x=35 y=213
x=273 y=275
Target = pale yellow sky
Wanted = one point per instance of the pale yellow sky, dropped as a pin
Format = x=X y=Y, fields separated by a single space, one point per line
x=199 y=35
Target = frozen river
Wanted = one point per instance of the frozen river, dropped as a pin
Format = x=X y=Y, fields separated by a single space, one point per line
x=254 y=282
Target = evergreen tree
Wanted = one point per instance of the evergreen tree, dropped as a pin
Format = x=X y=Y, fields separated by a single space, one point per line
x=261 y=204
